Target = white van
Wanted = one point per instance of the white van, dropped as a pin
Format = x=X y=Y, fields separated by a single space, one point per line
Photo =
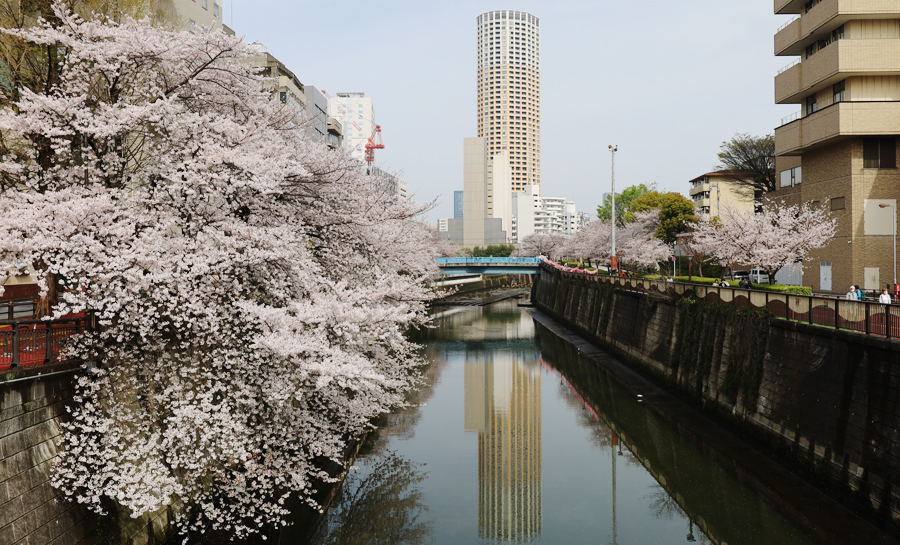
x=759 y=276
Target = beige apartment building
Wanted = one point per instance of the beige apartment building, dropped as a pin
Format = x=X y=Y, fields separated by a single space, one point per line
x=710 y=191
x=509 y=92
x=840 y=149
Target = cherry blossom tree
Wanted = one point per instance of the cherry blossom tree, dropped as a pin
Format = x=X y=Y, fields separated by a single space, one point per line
x=636 y=244
x=536 y=244
x=779 y=236
x=252 y=287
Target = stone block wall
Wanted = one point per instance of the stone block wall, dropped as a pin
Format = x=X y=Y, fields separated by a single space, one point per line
x=33 y=404
x=825 y=402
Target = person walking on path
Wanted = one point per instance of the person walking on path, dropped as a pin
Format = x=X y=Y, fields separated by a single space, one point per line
x=860 y=294
x=851 y=295
x=885 y=297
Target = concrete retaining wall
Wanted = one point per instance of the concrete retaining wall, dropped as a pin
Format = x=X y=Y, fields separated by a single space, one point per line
x=32 y=512
x=825 y=402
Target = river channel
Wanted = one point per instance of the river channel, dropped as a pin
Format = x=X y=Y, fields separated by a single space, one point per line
x=514 y=439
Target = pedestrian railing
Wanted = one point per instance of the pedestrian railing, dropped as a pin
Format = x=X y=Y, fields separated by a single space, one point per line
x=26 y=343
x=488 y=260
x=866 y=317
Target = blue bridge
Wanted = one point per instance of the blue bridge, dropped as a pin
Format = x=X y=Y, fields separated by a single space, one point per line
x=489 y=265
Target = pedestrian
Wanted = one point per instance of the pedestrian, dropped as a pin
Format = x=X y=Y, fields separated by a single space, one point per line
x=860 y=294
x=715 y=283
x=851 y=295
x=885 y=297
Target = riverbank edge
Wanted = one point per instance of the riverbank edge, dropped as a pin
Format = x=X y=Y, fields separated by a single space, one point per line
x=822 y=517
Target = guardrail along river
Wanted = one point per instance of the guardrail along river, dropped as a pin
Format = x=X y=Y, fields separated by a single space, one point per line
x=515 y=438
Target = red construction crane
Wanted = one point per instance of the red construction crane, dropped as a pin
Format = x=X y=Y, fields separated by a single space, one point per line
x=373 y=145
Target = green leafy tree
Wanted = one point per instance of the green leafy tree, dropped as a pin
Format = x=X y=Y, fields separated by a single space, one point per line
x=624 y=204
x=750 y=161
x=675 y=212
x=493 y=250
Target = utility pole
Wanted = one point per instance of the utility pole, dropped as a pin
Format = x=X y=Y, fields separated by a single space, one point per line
x=613 y=260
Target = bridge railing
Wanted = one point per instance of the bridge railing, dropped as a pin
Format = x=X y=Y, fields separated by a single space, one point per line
x=25 y=343
x=488 y=260
x=866 y=317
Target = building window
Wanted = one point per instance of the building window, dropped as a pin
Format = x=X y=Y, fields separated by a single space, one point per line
x=838 y=203
x=838 y=89
x=192 y=25
x=811 y=50
x=811 y=105
x=791 y=177
x=879 y=153
x=204 y=4
x=838 y=34
x=215 y=9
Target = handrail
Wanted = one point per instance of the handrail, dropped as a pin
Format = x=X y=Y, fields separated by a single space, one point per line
x=791 y=118
x=36 y=342
x=784 y=26
x=499 y=260
x=788 y=67
x=863 y=317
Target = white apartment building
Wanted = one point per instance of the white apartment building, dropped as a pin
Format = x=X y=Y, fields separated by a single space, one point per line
x=533 y=213
x=357 y=117
x=195 y=14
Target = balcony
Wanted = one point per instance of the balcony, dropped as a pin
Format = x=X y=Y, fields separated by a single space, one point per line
x=825 y=17
x=841 y=120
x=789 y=6
x=839 y=60
x=699 y=188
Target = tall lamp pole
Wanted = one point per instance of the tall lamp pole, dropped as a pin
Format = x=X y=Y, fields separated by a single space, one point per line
x=894 y=213
x=613 y=260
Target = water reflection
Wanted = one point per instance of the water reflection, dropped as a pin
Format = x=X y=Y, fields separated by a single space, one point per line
x=380 y=502
x=503 y=405
x=516 y=437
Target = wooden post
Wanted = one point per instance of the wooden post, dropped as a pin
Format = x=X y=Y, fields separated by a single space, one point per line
x=15 y=346
x=48 y=343
x=809 y=315
x=867 y=319
x=837 y=317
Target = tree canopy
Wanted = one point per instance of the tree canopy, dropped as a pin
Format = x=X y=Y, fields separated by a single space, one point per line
x=675 y=212
x=252 y=287
x=625 y=212
x=750 y=161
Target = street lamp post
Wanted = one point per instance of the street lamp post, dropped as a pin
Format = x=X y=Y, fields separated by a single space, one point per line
x=894 y=213
x=613 y=261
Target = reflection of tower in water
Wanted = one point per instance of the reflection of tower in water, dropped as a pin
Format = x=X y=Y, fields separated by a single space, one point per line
x=503 y=404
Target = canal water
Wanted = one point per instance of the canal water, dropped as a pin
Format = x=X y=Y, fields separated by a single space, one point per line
x=514 y=438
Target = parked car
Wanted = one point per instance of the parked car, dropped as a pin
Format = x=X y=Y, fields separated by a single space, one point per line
x=759 y=276
x=756 y=276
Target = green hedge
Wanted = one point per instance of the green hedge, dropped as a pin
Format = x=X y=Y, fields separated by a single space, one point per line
x=778 y=288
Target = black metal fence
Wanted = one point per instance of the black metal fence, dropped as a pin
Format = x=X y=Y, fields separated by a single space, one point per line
x=870 y=318
x=35 y=342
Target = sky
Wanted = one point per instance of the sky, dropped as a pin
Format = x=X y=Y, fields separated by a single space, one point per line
x=666 y=81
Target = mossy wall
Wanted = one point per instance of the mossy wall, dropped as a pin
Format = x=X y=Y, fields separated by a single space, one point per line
x=33 y=404
x=825 y=402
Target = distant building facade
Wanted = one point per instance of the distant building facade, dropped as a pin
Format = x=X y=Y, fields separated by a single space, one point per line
x=458 y=205
x=357 y=117
x=533 y=213
x=710 y=191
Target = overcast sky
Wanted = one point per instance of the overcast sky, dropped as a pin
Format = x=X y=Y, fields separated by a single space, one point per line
x=667 y=81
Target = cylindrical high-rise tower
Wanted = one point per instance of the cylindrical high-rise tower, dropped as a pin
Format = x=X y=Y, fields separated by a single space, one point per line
x=509 y=91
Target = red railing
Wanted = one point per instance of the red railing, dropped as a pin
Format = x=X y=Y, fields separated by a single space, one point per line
x=26 y=343
x=866 y=317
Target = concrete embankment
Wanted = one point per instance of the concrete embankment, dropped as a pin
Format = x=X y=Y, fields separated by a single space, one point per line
x=33 y=405
x=490 y=289
x=824 y=403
